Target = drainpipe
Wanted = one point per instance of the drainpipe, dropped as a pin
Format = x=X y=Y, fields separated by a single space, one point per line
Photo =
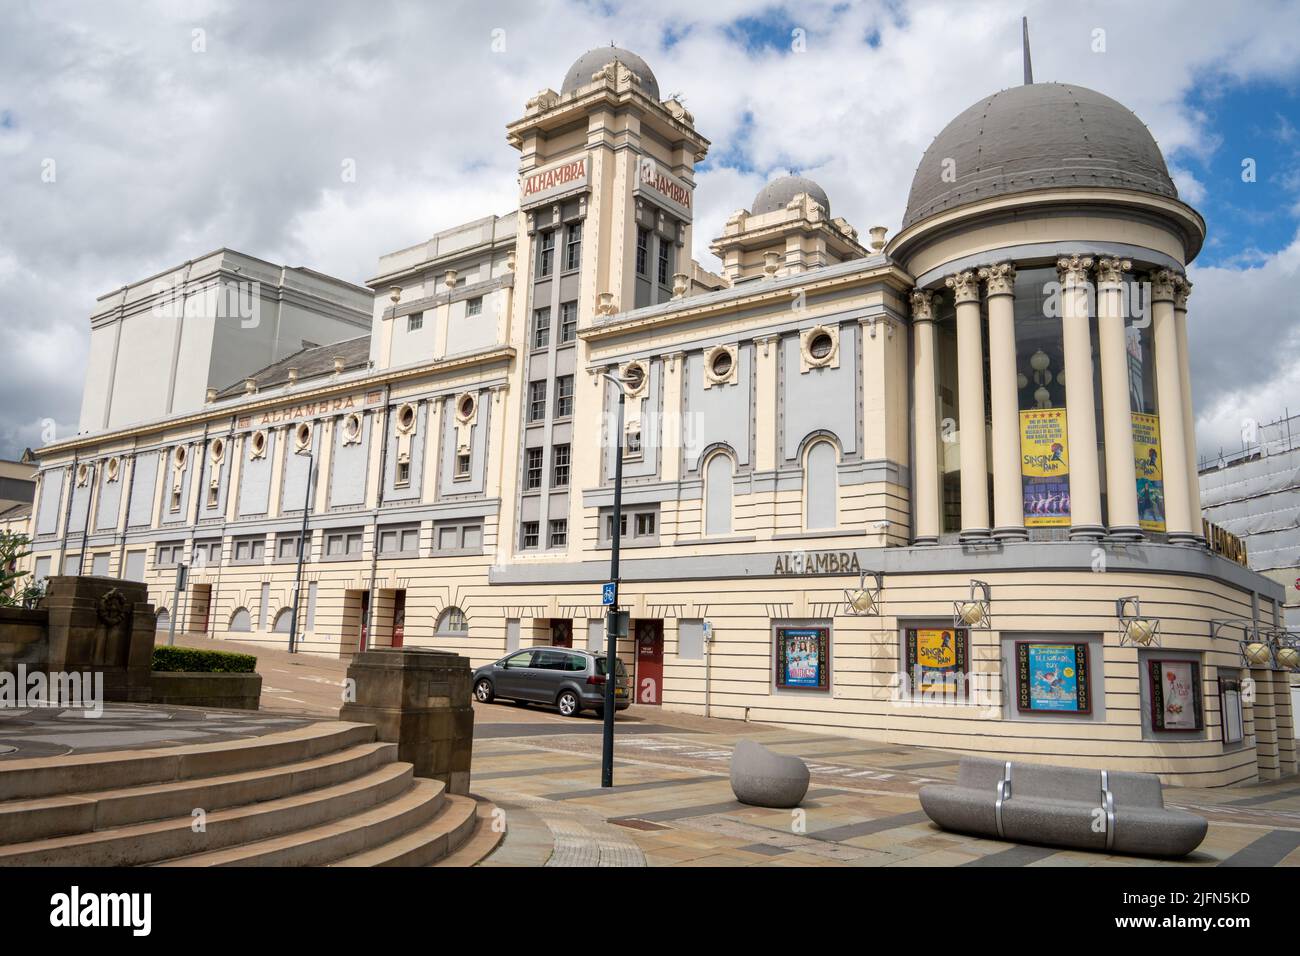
x=198 y=514
x=379 y=503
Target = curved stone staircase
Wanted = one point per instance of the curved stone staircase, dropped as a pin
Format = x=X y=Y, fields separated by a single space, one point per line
x=324 y=794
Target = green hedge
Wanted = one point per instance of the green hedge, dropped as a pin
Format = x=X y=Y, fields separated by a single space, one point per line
x=194 y=661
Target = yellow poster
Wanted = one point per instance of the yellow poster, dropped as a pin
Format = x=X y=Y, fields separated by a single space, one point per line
x=1148 y=468
x=1045 y=467
x=936 y=659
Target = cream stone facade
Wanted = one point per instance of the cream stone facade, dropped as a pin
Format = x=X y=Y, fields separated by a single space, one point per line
x=836 y=513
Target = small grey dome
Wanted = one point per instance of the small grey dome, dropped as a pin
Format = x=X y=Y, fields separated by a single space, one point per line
x=1036 y=136
x=776 y=194
x=584 y=66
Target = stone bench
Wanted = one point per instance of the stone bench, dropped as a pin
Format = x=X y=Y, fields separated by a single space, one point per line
x=763 y=778
x=1107 y=811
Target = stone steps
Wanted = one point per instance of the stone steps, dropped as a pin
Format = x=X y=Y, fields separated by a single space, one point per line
x=480 y=843
x=326 y=793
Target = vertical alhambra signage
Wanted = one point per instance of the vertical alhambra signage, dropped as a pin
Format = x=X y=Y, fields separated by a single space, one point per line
x=1045 y=467
x=1148 y=470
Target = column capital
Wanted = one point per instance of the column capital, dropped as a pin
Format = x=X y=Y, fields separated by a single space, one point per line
x=1074 y=269
x=1164 y=285
x=1111 y=271
x=922 y=305
x=1182 y=289
x=965 y=286
x=1000 y=279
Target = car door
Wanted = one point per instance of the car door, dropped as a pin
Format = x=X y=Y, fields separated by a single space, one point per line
x=511 y=677
x=548 y=673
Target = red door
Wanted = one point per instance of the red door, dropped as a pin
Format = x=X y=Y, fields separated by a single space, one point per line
x=561 y=633
x=649 y=661
x=399 y=617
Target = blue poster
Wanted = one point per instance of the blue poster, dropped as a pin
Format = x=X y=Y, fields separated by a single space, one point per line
x=1052 y=677
x=801 y=657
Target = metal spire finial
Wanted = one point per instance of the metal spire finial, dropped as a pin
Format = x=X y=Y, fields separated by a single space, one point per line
x=1029 y=66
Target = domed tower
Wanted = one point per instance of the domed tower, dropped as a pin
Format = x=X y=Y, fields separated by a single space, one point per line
x=1049 y=244
x=787 y=229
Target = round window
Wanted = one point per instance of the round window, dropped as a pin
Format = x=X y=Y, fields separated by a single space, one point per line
x=82 y=472
x=821 y=345
x=218 y=448
x=112 y=468
x=406 y=417
x=178 y=456
x=721 y=364
x=466 y=406
x=634 y=376
x=303 y=435
x=352 y=425
x=259 y=442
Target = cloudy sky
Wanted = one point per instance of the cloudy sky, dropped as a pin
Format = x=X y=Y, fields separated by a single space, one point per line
x=178 y=126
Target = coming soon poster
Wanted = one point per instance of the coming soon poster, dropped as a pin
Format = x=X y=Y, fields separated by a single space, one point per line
x=1148 y=468
x=1052 y=677
x=1045 y=467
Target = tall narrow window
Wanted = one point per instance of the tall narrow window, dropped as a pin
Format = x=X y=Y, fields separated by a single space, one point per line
x=821 y=487
x=718 y=492
x=564 y=396
x=530 y=534
x=536 y=401
x=665 y=260
x=546 y=255
x=542 y=328
x=568 y=321
x=573 y=247
x=533 y=478
x=643 y=252
x=559 y=533
x=560 y=466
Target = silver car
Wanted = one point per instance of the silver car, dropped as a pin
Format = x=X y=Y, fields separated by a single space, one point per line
x=571 y=680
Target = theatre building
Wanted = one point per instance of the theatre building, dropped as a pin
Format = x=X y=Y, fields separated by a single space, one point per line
x=937 y=487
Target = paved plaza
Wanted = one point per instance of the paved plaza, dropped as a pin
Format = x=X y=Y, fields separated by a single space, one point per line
x=672 y=803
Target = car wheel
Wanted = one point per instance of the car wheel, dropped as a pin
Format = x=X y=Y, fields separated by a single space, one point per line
x=568 y=704
x=483 y=691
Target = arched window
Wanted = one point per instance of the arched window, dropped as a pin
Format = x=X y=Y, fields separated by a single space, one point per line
x=164 y=619
x=717 y=494
x=240 y=621
x=452 y=622
x=283 y=620
x=820 y=486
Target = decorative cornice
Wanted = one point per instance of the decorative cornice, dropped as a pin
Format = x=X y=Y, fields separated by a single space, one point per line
x=999 y=279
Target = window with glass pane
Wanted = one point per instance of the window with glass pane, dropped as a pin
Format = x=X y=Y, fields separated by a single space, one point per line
x=541 y=328
x=533 y=475
x=474 y=306
x=568 y=321
x=415 y=322
x=643 y=252
x=530 y=532
x=564 y=396
x=573 y=248
x=536 y=401
x=559 y=533
x=546 y=254
x=560 y=463
x=665 y=260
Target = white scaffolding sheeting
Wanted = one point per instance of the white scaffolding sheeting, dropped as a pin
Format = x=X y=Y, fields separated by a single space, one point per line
x=1255 y=494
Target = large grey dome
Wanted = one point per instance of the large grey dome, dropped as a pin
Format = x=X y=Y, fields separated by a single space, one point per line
x=1035 y=137
x=584 y=66
x=778 y=192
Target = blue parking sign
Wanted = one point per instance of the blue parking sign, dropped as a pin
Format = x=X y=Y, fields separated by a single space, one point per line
x=607 y=594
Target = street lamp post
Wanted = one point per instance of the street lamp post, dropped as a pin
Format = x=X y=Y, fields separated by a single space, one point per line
x=611 y=618
x=302 y=552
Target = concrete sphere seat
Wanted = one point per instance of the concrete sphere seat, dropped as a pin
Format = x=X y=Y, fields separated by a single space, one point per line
x=763 y=778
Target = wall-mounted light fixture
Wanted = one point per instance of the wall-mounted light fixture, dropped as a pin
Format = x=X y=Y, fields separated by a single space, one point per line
x=865 y=598
x=1286 y=649
x=1256 y=647
x=974 y=612
x=1134 y=628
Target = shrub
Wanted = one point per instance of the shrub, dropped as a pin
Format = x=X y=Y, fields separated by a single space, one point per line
x=195 y=661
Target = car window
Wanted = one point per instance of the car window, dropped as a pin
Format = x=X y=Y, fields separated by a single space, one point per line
x=551 y=660
x=576 y=662
x=522 y=659
x=600 y=667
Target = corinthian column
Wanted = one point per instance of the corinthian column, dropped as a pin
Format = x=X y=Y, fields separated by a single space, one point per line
x=1169 y=396
x=970 y=406
x=1080 y=410
x=1008 y=493
x=1181 y=291
x=925 y=474
x=1117 y=420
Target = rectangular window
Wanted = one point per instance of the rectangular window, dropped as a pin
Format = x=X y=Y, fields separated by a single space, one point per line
x=474 y=306
x=541 y=328
x=458 y=535
x=250 y=549
x=803 y=658
x=415 y=322
x=206 y=554
x=564 y=396
x=286 y=547
x=559 y=533
x=639 y=527
x=1230 y=709
x=533 y=476
x=632 y=443
x=536 y=401
x=937 y=661
x=399 y=539
x=529 y=536
x=568 y=321
x=214 y=495
x=645 y=524
x=99 y=565
x=546 y=255
x=403 y=479
x=665 y=260
x=643 y=252
x=560 y=466
x=462 y=465
x=176 y=500
x=343 y=543
x=573 y=247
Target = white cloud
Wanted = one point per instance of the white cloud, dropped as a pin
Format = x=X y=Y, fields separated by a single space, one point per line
x=164 y=153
